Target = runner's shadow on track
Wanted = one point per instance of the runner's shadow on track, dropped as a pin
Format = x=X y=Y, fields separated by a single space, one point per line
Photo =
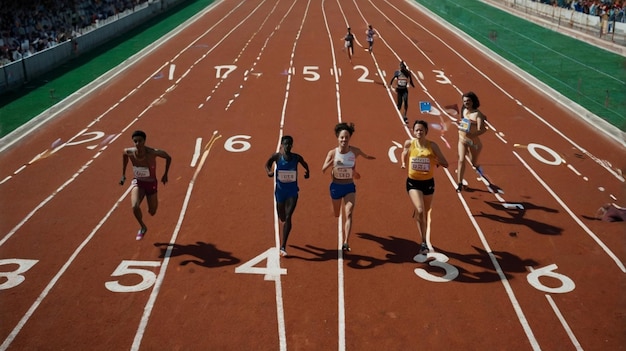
x=508 y=262
x=353 y=260
x=318 y=254
x=403 y=251
x=517 y=216
x=399 y=250
x=207 y=254
x=468 y=189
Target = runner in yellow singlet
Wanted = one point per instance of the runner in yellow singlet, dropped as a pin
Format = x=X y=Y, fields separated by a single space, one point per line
x=423 y=156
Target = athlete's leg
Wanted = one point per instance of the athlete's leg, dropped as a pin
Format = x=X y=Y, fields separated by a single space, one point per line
x=153 y=203
x=399 y=93
x=336 y=207
x=405 y=101
x=136 y=196
x=280 y=210
x=289 y=208
x=428 y=201
x=417 y=198
x=460 y=169
x=349 y=202
x=475 y=150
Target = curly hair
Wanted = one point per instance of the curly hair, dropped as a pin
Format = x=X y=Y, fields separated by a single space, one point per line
x=344 y=126
x=473 y=97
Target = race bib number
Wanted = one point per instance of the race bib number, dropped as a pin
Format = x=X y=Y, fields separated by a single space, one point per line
x=287 y=176
x=342 y=173
x=465 y=124
x=402 y=82
x=141 y=172
x=420 y=164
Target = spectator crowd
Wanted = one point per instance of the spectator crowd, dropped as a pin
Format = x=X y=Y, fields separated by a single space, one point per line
x=29 y=26
x=613 y=9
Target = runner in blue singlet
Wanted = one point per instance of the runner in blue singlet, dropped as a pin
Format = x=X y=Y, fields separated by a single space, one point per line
x=286 y=192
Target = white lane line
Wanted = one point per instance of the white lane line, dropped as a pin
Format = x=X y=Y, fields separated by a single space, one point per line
x=172 y=70
x=419 y=77
x=38 y=121
x=150 y=305
x=503 y=279
x=43 y=203
x=525 y=77
x=147 y=311
x=568 y=330
x=56 y=146
x=341 y=303
x=341 y=308
x=348 y=25
x=499 y=135
x=66 y=183
x=7 y=342
x=573 y=170
x=84 y=167
x=597 y=160
x=280 y=310
x=196 y=152
x=224 y=76
x=23 y=167
x=86 y=91
x=582 y=225
x=260 y=53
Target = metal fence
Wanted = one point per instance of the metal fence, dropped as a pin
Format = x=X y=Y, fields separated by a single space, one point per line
x=15 y=74
x=609 y=28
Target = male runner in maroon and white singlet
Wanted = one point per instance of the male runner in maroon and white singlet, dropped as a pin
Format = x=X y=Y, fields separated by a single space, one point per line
x=143 y=159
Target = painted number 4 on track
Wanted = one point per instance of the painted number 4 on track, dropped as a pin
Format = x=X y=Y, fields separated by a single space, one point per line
x=272 y=269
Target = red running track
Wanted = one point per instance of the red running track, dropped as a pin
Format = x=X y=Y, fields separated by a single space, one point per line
x=217 y=95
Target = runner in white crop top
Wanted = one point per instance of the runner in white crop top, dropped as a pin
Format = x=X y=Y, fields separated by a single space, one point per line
x=343 y=166
x=342 y=189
